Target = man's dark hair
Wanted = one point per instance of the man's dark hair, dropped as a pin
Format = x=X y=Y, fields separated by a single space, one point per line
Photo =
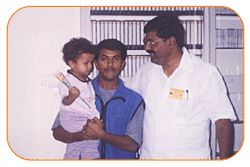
x=75 y=47
x=167 y=26
x=111 y=44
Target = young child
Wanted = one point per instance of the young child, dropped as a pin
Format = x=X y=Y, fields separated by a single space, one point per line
x=78 y=103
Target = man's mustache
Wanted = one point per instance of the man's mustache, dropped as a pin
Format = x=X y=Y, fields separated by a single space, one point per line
x=110 y=69
x=150 y=51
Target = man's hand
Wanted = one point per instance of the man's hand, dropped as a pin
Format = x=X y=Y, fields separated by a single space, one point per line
x=94 y=129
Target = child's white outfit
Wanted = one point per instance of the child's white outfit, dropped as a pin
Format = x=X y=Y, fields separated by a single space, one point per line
x=73 y=117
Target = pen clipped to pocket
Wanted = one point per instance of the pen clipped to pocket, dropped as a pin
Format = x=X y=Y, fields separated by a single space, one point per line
x=187 y=94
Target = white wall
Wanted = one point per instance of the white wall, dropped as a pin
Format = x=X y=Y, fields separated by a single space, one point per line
x=36 y=36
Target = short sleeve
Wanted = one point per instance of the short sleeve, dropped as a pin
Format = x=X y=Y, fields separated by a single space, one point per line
x=138 y=82
x=215 y=98
x=134 y=128
x=63 y=90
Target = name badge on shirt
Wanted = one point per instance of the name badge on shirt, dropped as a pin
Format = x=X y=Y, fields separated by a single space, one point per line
x=176 y=93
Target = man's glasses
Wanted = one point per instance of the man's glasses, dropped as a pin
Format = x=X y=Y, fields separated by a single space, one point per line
x=151 y=43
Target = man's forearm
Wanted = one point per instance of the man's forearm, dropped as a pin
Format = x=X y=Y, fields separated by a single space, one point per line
x=64 y=136
x=224 y=133
x=94 y=129
x=121 y=142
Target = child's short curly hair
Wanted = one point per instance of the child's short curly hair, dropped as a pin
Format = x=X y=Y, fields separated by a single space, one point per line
x=75 y=47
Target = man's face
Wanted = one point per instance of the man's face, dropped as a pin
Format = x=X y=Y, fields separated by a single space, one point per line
x=109 y=64
x=157 y=47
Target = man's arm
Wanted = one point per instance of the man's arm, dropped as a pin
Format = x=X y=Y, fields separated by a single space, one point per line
x=94 y=129
x=64 y=136
x=224 y=134
x=121 y=142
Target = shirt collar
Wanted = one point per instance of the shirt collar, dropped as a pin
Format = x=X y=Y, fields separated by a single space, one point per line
x=186 y=62
x=119 y=90
x=87 y=78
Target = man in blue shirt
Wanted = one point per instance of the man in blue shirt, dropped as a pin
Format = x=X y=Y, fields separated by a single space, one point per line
x=121 y=109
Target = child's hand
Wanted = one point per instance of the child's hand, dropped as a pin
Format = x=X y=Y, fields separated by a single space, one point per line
x=74 y=92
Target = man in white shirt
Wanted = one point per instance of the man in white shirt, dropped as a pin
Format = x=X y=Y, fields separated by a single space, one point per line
x=182 y=94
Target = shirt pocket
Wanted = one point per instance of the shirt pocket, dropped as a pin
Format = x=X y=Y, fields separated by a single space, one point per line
x=180 y=110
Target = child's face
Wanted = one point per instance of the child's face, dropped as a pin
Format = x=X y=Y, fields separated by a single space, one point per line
x=83 y=66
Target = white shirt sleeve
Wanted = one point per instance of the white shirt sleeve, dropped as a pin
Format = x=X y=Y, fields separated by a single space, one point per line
x=63 y=90
x=133 y=83
x=215 y=98
x=139 y=81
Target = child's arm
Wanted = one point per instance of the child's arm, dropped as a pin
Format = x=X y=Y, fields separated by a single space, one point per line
x=73 y=94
